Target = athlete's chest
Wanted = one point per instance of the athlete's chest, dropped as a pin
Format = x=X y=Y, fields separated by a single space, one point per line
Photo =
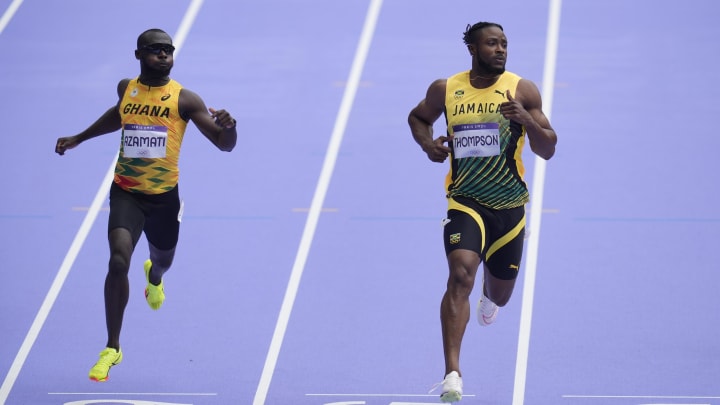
x=469 y=104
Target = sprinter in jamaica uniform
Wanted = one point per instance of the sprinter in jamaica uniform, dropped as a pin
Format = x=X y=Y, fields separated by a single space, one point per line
x=489 y=114
x=152 y=112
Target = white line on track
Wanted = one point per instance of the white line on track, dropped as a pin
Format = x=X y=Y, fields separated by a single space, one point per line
x=318 y=199
x=536 y=210
x=381 y=395
x=645 y=397
x=156 y=394
x=82 y=233
x=9 y=13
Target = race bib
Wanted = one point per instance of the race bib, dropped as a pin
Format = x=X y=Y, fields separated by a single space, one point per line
x=476 y=140
x=144 y=141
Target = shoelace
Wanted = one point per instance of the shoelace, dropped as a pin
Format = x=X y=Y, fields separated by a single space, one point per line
x=447 y=378
x=435 y=386
x=108 y=359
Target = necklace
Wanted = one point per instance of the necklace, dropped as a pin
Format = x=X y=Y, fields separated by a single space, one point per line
x=482 y=77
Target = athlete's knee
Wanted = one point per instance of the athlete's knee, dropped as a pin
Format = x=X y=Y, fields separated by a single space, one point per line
x=462 y=276
x=119 y=263
x=121 y=248
x=461 y=281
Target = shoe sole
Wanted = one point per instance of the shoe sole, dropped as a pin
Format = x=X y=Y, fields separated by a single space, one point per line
x=107 y=377
x=452 y=396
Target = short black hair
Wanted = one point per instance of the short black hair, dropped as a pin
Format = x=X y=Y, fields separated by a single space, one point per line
x=468 y=36
x=141 y=40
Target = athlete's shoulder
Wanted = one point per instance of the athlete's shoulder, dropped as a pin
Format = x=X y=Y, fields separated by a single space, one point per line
x=512 y=76
x=175 y=83
x=459 y=76
x=123 y=85
x=528 y=93
x=438 y=84
x=126 y=81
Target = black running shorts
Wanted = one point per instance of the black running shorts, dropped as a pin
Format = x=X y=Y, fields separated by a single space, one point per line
x=158 y=215
x=497 y=236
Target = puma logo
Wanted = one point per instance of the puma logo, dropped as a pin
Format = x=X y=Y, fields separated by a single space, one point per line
x=500 y=93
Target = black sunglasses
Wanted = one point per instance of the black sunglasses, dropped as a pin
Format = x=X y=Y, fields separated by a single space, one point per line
x=155 y=49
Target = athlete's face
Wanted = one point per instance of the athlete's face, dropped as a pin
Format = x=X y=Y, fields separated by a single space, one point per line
x=156 y=55
x=489 y=51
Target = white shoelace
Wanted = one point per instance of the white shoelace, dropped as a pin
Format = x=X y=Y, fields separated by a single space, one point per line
x=453 y=378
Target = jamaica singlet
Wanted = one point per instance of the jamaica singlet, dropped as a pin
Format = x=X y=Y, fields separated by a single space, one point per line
x=152 y=132
x=486 y=151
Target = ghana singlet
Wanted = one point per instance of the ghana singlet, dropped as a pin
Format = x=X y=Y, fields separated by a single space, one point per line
x=486 y=151
x=152 y=132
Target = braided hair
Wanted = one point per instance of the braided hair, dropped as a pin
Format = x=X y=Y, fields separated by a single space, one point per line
x=468 y=35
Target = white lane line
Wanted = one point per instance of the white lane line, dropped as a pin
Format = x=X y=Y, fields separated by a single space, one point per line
x=77 y=243
x=145 y=394
x=8 y=14
x=645 y=397
x=54 y=291
x=318 y=199
x=536 y=210
x=375 y=395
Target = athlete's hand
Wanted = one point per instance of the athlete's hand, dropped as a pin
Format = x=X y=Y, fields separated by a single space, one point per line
x=514 y=110
x=66 y=143
x=437 y=151
x=223 y=118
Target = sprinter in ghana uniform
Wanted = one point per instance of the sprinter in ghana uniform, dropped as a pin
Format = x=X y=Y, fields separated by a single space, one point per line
x=490 y=114
x=152 y=113
x=152 y=132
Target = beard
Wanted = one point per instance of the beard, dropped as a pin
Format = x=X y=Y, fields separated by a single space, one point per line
x=485 y=67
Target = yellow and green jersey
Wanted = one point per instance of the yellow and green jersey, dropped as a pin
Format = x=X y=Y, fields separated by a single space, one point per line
x=486 y=159
x=152 y=132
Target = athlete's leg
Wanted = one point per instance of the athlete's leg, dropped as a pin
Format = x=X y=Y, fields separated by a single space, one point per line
x=116 y=283
x=498 y=290
x=125 y=225
x=162 y=229
x=502 y=261
x=161 y=262
x=455 y=307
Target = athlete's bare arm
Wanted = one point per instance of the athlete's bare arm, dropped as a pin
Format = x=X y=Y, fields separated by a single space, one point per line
x=109 y=122
x=217 y=125
x=421 y=121
x=526 y=109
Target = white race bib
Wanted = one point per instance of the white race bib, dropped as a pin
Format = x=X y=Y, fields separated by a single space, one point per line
x=476 y=140
x=144 y=141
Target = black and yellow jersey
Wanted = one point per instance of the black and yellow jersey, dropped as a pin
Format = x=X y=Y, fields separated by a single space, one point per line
x=486 y=149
